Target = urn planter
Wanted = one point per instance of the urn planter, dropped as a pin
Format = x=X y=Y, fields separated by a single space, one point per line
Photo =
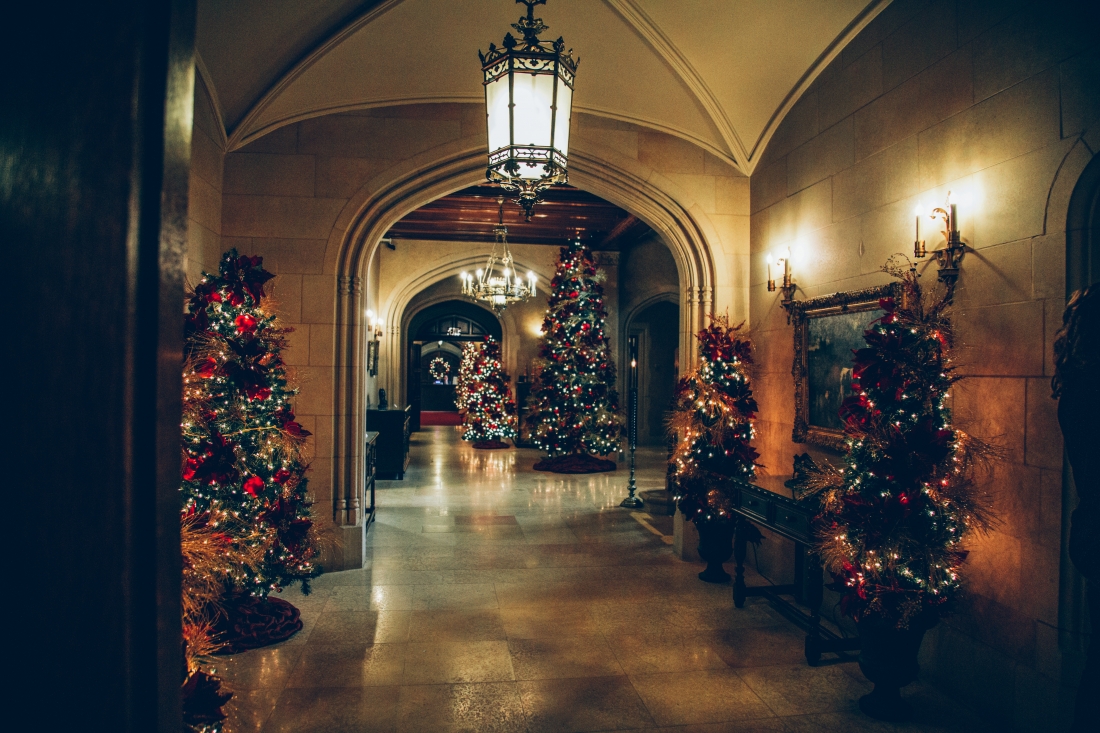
x=715 y=548
x=888 y=658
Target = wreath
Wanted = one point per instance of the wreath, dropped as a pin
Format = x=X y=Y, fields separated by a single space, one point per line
x=439 y=368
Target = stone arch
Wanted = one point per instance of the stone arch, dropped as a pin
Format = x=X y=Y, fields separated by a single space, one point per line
x=360 y=227
x=398 y=306
x=628 y=319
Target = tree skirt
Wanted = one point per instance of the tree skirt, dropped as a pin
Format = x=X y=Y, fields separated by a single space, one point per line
x=252 y=623
x=490 y=445
x=576 y=463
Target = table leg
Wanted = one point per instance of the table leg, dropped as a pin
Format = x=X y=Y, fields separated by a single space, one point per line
x=739 y=548
x=815 y=591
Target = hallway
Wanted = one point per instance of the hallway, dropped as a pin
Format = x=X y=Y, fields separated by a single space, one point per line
x=500 y=599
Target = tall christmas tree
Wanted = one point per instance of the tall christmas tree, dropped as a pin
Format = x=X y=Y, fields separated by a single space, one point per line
x=712 y=422
x=897 y=516
x=574 y=405
x=470 y=351
x=244 y=469
x=490 y=410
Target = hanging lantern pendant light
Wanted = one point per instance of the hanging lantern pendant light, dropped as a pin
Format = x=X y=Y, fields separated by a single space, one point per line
x=528 y=102
x=498 y=285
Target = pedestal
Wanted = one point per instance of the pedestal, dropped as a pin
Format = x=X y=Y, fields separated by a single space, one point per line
x=685 y=539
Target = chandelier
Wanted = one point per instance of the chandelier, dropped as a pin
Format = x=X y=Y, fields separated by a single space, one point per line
x=498 y=285
x=528 y=100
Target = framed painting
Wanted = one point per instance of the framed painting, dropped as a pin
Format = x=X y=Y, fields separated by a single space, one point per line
x=826 y=332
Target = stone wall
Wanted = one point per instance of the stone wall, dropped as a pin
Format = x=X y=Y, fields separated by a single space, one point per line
x=997 y=102
x=204 y=212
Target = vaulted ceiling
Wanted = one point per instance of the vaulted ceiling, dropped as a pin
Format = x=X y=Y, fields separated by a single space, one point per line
x=719 y=73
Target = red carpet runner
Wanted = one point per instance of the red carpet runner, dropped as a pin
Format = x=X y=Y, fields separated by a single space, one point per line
x=431 y=417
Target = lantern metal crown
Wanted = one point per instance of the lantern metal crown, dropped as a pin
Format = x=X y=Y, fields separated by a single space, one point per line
x=528 y=101
x=498 y=285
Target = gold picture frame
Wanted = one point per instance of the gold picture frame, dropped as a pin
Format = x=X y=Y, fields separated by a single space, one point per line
x=826 y=330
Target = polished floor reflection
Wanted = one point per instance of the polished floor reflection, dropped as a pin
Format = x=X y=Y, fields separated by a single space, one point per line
x=501 y=599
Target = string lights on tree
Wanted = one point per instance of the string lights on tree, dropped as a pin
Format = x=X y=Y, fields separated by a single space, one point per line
x=245 y=521
x=490 y=415
x=899 y=511
x=470 y=351
x=574 y=407
x=712 y=418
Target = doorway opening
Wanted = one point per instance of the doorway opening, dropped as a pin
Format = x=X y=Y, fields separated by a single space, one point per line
x=658 y=334
x=436 y=334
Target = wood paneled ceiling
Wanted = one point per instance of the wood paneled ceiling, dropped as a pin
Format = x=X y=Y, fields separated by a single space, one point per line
x=469 y=215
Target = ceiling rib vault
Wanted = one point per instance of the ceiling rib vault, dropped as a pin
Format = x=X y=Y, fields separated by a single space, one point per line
x=720 y=75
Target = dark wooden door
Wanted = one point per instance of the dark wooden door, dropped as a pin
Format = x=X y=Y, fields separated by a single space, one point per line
x=413 y=385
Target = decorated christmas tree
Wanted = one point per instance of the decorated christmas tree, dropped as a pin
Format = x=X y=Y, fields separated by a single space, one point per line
x=470 y=351
x=712 y=419
x=897 y=515
x=243 y=475
x=574 y=405
x=490 y=410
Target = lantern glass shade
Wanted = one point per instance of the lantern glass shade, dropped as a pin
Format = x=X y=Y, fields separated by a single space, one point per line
x=528 y=102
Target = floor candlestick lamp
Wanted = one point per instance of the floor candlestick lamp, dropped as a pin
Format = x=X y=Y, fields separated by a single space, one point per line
x=632 y=501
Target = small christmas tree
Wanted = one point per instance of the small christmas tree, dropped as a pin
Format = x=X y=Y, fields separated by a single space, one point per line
x=490 y=410
x=470 y=351
x=244 y=470
x=712 y=423
x=574 y=406
x=897 y=515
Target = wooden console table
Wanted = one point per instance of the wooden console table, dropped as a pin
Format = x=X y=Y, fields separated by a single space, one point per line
x=794 y=520
x=371 y=471
x=393 y=426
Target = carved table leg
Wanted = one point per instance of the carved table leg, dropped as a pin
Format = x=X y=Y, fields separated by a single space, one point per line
x=814 y=592
x=739 y=547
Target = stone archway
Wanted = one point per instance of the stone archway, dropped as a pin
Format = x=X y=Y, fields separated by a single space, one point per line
x=359 y=230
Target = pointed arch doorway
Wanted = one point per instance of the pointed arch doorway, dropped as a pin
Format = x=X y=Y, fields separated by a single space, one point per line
x=439 y=331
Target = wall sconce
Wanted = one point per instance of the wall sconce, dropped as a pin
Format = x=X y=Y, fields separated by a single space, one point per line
x=788 y=286
x=950 y=256
x=375 y=326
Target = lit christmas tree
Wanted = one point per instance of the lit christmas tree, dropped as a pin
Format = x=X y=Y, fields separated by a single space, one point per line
x=712 y=422
x=574 y=405
x=897 y=515
x=490 y=410
x=243 y=473
x=470 y=351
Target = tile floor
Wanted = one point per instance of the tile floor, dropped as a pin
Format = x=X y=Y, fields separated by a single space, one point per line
x=501 y=599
